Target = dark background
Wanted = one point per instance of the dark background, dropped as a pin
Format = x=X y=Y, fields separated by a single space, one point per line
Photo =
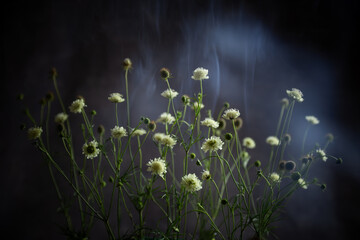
x=254 y=51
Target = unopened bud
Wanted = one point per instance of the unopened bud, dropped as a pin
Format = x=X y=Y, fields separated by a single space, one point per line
x=228 y=136
x=226 y=105
x=152 y=125
x=295 y=176
x=329 y=137
x=285 y=102
x=192 y=155
x=127 y=64
x=224 y=201
x=146 y=120
x=238 y=122
x=290 y=166
x=185 y=99
x=257 y=163
x=282 y=165
x=287 y=138
x=222 y=124
x=165 y=73
x=93 y=112
x=101 y=129
x=339 y=161
x=50 y=96
x=323 y=187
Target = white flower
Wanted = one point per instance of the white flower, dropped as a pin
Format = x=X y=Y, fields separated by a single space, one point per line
x=158 y=137
x=138 y=132
x=166 y=118
x=91 y=150
x=302 y=183
x=34 y=132
x=206 y=175
x=273 y=141
x=169 y=141
x=191 y=183
x=169 y=93
x=249 y=143
x=322 y=154
x=195 y=106
x=118 y=132
x=209 y=122
x=200 y=74
x=274 y=177
x=60 y=118
x=116 y=98
x=295 y=94
x=157 y=166
x=231 y=114
x=213 y=144
x=77 y=105
x=312 y=119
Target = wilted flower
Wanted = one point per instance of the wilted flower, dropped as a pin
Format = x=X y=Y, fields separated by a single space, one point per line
x=91 y=150
x=60 y=118
x=272 y=140
x=312 y=119
x=213 y=144
x=118 y=132
x=116 y=98
x=77 y=106
x=157 y=166
x=249 y=143
x=168 y=141
x=169 y=93
x=200 y=74
x=34 y=132
x=191 y=183
x=206 y=175
x=231 y=114
x=274 y=177
x=166 y=118
x=321 y=153
x=302 y=183
x=209 y=122
x=295 y=94
x=138 y=132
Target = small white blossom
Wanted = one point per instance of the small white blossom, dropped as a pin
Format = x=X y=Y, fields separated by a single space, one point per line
x=60 y=118
x=34 y=132
x=274 y=177
x=157 y=166
x=295 y=94
x=209 y=122
x=231 y=114
x=138 y=132
x=322 y=154
x=200 y=74
x=302 y=183
x=118 y=132
x=195 y=106
x=91 y=150
x=158 y=137
x=166 y=118
x=191 y=183
x=169 y=93
x=312 y=119
x=206 y=175
x=213 y=144
x=249 y=143
x=77 y=106
x=116 y=98
x=273 y=141
x=168 y=141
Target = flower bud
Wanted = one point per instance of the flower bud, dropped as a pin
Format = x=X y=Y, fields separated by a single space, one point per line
x=185 y=99
x=222 y=124
x=323 y=187
x=127 y=64
x=111 y=179
x=101 y=129
x=285 y=102
x=146 y=120
x=339 y=161
x=152 y=125
x=257 y=163
x=226 y=105
x=50 y=96
x=20 y=97
x=192 y=155
x=287 y=138
x=93 y=113
x=178 y=114
x=228 y=136
x=290 y=166
x=282 y=165
x=103 y=183
x=295 y=176
x=224 y=201
x=329 y=137
x=238 y=122
x=165 y=73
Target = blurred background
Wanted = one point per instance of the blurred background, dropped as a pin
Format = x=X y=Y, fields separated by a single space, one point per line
x=254 y=50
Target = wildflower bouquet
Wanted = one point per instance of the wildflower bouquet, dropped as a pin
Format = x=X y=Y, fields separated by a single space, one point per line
x=186 y=175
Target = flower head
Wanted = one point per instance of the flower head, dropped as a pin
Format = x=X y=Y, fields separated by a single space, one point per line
x=91 y=150
x=166 y=118
x=118 y=132
x=249 y=143
x=295 y=94
x=312 y=120
x=196 y=105
x=157 y=166
x=168 y=141
x=200 y=74
x=209 y=122
x=231 y=114
x=321 y=153
x=77 y=105
x=169 y=93
x=302 y=183
x=60 y=118
x=274 y=177
x=191 y=183
x=158 y=137
x=206 y=175
x=213 y=144
x=138 y=132
x=273 y=141
x=116 y=98
x=34 y=132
